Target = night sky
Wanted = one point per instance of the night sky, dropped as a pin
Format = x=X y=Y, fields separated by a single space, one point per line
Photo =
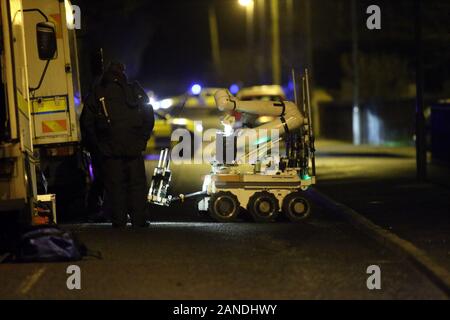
x=166 y=44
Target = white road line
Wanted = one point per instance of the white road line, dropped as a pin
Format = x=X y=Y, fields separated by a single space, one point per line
x=31 y=280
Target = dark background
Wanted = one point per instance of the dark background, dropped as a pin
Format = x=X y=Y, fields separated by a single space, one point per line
x=166 y=44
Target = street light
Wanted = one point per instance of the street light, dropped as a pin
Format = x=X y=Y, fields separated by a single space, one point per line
x=245 y=3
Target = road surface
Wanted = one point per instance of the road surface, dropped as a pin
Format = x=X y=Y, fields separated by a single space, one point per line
x=186 y=256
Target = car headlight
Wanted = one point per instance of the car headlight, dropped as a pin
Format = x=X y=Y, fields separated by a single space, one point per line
x=166 y=103
x=198 y=127
x=180 y=121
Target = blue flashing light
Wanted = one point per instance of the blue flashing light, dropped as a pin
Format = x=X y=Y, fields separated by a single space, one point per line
x=291 y=85
x=196 y=89
x=77 y=100
x=234 y=88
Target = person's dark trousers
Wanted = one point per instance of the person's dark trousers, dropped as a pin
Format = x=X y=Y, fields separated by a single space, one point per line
x=96 y=190
x=126 y=189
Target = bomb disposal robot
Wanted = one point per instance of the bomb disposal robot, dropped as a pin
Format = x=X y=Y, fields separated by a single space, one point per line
x=274 y=183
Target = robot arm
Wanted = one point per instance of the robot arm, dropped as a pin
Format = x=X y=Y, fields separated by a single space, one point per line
x=288 y=116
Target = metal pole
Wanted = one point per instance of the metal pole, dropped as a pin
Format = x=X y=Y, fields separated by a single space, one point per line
x=310 y=60
x=262 y=40
x=276 y=62
x=294 y=83
x=309 y=36
x=304 y=94
x=250 y=36
x=250 y=31
x=310 y=126
x=214 y=34
x=421 y=152
x=355 y=60
x=308 y=104
x=290 y=30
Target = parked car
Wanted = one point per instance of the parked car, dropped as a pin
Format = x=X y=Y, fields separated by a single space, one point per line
x=162 y=131
x=263 y=93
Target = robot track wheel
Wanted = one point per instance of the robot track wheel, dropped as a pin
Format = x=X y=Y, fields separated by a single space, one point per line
x=296 y=206
x=224 y=206
x=263 y=206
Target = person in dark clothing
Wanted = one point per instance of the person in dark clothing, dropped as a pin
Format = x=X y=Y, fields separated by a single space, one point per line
x=117 y=123
x=95 y=196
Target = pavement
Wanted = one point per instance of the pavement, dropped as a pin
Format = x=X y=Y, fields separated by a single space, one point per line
x=187 y=256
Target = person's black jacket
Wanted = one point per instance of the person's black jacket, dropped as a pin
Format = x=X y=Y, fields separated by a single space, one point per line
x=131 y=118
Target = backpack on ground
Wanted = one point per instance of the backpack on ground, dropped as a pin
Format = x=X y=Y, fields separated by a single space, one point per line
x=50 y=244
